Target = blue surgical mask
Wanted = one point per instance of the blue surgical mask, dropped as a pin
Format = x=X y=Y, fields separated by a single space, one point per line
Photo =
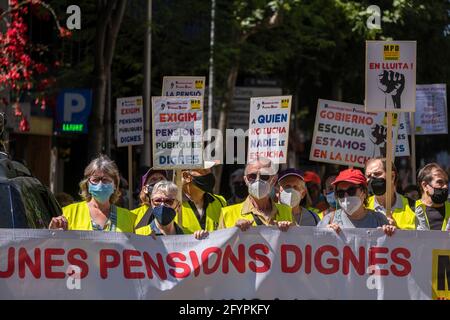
x=331 y=199
x=101 y=191
x=164 y=215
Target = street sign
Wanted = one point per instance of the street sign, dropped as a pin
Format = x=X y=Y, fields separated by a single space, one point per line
x=73 y=110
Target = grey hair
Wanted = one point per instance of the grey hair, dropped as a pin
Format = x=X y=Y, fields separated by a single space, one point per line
x=165 y=187
x=267 y=163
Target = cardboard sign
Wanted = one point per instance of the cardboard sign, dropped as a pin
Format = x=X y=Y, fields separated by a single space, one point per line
x=431 y=110
x=177 y=132
x=129 y=121
x=345 y=134
x=269 y=128
x=183 y=86
x=390 y=76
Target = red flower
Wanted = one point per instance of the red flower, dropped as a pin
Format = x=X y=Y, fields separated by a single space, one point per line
x=24 y=126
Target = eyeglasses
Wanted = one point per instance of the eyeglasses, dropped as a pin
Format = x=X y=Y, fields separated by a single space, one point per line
x=350 y=191
x=96 y=180
x=252 y=177
x=167 y=202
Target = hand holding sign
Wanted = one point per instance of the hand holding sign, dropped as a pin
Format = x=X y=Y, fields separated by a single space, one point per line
x=392 y=84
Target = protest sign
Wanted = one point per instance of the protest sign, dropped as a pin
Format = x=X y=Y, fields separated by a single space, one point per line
x=183 y=86
x=177 y=132
x=345 y=134
x=431 y=110
x=261 y=263
x=269 y=128
x=129 y=121
x=390 y=76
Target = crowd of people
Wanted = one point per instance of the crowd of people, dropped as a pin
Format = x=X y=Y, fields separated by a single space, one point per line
x=261 y=195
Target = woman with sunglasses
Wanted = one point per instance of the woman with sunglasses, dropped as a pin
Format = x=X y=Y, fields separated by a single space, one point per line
x=98 y=212
x=160 y=219
x=351 y=194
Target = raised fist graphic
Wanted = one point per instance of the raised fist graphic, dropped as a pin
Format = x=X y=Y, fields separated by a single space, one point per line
x=392 y=84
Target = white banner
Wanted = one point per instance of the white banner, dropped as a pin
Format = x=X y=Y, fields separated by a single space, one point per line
x=269 y=128
x=183 y=86
x=261 y=263
x=177 y=132
x=431 y=110
x=345 y=134
x=390 y=76
x=129 y=121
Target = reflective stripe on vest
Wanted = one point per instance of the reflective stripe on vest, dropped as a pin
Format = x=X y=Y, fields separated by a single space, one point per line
x=232 y=214
x=446 y=217
x=405 y=217
x=78 y=218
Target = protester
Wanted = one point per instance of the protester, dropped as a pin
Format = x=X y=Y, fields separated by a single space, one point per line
x=402 y=209
x=100 y=190
x=258 y=208
x=292 y=189
x=148 y=181
x=64 y=199
x=201 y=207
x=313 y=184
x=164 y=206
x=412 y=192
x=351 y=194
x=328 y=192
x=433 y=209
x=238 y=187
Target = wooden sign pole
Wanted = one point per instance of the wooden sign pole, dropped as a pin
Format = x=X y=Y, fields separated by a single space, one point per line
x=413 y=147
x=389 y=158
x=130 y=177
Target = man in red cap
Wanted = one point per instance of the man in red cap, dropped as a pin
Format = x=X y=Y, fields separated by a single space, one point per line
x=314 y=186
x=351 y=194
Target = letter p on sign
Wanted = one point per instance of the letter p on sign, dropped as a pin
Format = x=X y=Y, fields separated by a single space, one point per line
x=73 y=103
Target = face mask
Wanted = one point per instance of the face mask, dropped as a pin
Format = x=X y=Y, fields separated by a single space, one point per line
x=350 y=204
x=205 y=183
x=290 y=197
x=240 y=190
x=164 y=215
x=259 y=189
x=440 y=195
x=378 y=186
x=331 y=199
x=101 y=192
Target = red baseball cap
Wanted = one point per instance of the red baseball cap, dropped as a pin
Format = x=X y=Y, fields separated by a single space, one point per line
x=351 y=175
x=311 y=176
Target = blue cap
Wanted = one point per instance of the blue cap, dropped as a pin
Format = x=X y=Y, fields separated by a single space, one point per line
x=290 y=172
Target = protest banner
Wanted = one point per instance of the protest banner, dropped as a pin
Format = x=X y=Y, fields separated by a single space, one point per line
x=269 y=128
x=390 y=76
x=345 y=134
x=431 y=110
x=261 y=263
x=177 y=132
x=180 y=86
x=130 y=132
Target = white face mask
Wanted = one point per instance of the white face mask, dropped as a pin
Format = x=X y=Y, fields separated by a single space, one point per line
x=259 y=189
x=350 y=204
x=290 y=197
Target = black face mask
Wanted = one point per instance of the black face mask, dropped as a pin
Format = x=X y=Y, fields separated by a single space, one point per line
x=440 y=195
x=206 y=182
x=378 y=186
x=240 y=190
x=164 y=215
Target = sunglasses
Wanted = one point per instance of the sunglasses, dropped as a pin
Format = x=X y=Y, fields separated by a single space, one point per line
x=167 y=202
x=350 y=191
x=252 y=177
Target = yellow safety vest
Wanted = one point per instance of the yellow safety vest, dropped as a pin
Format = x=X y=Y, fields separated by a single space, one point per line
x=405 y=217
x=139 y=212
x=78 y=218
x=232 y=214
x=316 y=211
x=446 y=217
x=188 y=220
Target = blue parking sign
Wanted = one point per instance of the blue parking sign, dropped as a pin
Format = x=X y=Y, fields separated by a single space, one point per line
x=73 y=110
